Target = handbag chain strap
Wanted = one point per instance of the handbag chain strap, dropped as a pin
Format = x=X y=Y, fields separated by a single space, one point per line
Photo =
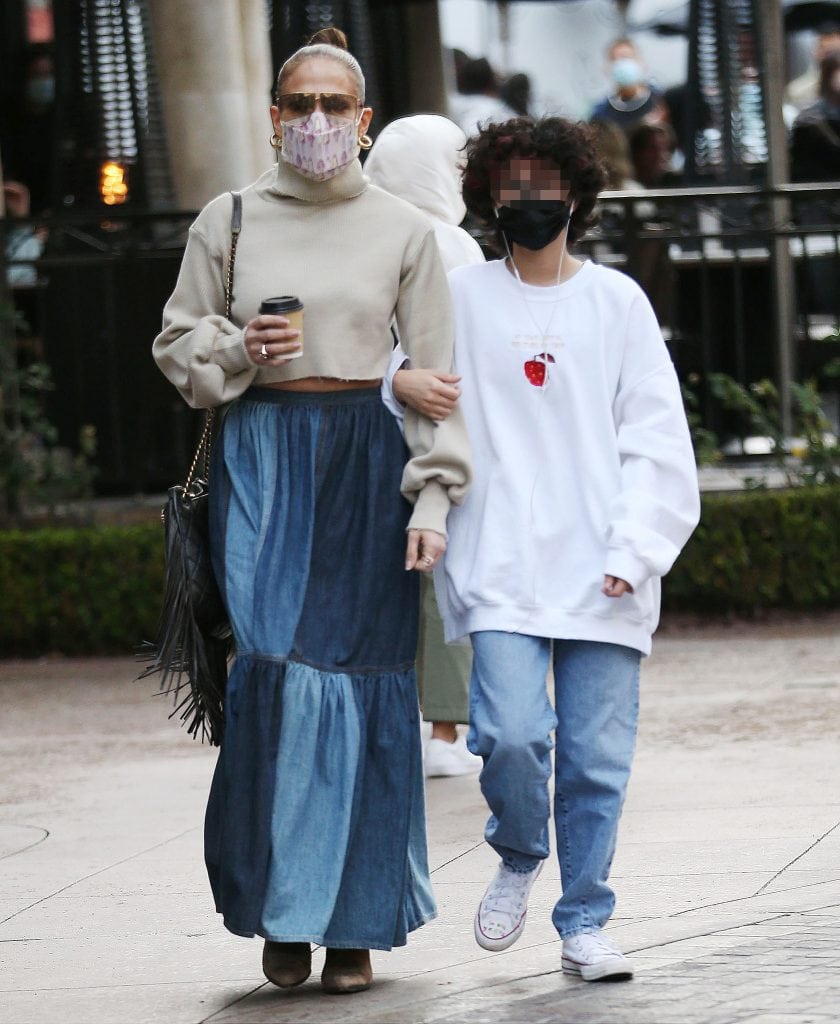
x=202 y=451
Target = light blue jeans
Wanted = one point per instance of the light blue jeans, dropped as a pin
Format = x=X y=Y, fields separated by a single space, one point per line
x=511 y=721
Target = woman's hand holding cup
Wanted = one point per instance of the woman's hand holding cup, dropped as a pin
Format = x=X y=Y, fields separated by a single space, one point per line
x=271 y=341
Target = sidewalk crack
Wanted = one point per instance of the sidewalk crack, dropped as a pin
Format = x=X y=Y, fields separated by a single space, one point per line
x=781 y=871
x=29 y=846
x=465 y=853
x=233 y=1002
x=742 y=899
x=93 y=874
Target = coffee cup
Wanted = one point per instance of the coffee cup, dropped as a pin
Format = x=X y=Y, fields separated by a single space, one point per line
x=290 y=307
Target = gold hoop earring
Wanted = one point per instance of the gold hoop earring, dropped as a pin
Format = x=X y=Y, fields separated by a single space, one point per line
x=365 y=142
x=276 y=141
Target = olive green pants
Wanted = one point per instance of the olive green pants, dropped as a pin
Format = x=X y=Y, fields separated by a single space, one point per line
x=443 y=670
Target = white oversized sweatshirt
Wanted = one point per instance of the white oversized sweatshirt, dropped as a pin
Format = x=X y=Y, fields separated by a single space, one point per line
x=582 y=458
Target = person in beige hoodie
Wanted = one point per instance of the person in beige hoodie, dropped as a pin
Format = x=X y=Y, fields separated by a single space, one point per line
x=419 y=158
x=315 y=826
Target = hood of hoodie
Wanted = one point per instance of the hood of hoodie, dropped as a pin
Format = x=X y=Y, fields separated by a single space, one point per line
x=419 y=159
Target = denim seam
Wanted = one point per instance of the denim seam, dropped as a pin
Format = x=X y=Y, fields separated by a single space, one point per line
x=320 y=455
x=583 y=930
x=280 y=659
x=586 y=913
x=523 y=871
x=566 y=864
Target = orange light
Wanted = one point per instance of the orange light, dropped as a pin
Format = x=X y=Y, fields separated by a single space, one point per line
x=112 y=184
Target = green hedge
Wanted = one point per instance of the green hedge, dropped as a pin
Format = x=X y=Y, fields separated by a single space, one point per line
x=79 y=591
x=97 y=591
x=760 y=549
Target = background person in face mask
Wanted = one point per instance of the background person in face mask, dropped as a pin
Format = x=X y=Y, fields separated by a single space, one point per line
x=633 y=99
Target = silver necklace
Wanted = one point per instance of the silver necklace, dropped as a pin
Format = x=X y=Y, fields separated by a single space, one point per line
x=541 y=334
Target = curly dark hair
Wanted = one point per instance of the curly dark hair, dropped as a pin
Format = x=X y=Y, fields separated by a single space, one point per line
x=569 y=144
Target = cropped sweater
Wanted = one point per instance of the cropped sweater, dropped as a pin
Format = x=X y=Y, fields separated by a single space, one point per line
x=357 y=258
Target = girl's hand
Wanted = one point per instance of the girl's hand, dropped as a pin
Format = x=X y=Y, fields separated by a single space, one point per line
x=425 y=547
x=274 y=333
x=428 y=392
x=614 y=587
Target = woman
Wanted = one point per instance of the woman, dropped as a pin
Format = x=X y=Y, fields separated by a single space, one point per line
x=315 y=830
x=419 y=159
x=585 y=490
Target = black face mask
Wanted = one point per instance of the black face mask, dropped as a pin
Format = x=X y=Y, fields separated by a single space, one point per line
x=535 y=224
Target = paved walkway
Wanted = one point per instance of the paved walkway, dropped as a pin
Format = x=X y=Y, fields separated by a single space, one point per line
x=728 y=870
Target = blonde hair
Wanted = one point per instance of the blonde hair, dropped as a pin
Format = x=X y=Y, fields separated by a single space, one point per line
x=332 y=44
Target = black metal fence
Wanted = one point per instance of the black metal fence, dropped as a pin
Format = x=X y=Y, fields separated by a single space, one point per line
x=713 y=262
x=744 y=280
x=91 y=314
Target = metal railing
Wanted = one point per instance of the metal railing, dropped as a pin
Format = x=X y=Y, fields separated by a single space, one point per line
x=91 y=308
x=712 y=261
x=744 y=280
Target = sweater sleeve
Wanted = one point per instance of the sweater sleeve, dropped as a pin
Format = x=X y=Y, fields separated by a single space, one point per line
x=438 y=473
x=399 y=361
x=200 y=351
x=658 y=505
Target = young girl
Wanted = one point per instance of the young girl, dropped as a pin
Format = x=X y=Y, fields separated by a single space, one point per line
x=584 y=492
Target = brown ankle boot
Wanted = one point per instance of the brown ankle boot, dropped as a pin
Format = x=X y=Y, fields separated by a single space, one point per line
x=346 y=970
x=287 y=964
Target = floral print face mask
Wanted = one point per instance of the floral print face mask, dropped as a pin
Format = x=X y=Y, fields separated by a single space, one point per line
x=319 y=146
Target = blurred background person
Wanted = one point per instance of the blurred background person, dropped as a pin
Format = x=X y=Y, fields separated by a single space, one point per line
x=633 y=98
x=676 y=99
x=24 y=244
x=478 y=102
x=419 y=159
x=651 y=152
x=803 y=91
x=815 y=139
x=516 y=92
x=614 y=153
x=27 y=128
x=815 y=156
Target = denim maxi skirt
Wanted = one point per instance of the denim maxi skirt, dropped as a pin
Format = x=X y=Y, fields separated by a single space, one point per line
x=315 y=827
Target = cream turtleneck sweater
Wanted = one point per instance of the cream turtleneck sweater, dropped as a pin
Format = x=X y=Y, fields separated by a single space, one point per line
x=357 y=258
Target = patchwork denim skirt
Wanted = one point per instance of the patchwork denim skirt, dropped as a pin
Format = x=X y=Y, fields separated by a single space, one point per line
x=315 y=827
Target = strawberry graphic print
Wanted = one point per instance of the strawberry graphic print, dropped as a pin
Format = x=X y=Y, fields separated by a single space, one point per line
x=535 y=369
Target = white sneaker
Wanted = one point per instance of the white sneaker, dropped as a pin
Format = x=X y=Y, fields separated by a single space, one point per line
x=500 y=918
x=442 y=758
x=593 y=957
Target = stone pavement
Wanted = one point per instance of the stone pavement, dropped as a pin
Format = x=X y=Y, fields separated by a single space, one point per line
x=727 y=873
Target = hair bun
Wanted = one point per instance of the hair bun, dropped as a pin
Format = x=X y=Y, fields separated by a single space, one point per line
x=330 y=37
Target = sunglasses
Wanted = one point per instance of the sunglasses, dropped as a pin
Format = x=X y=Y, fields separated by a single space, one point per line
x=299 y=104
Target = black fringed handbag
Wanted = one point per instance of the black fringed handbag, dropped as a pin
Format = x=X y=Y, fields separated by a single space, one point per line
x=194 y=639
